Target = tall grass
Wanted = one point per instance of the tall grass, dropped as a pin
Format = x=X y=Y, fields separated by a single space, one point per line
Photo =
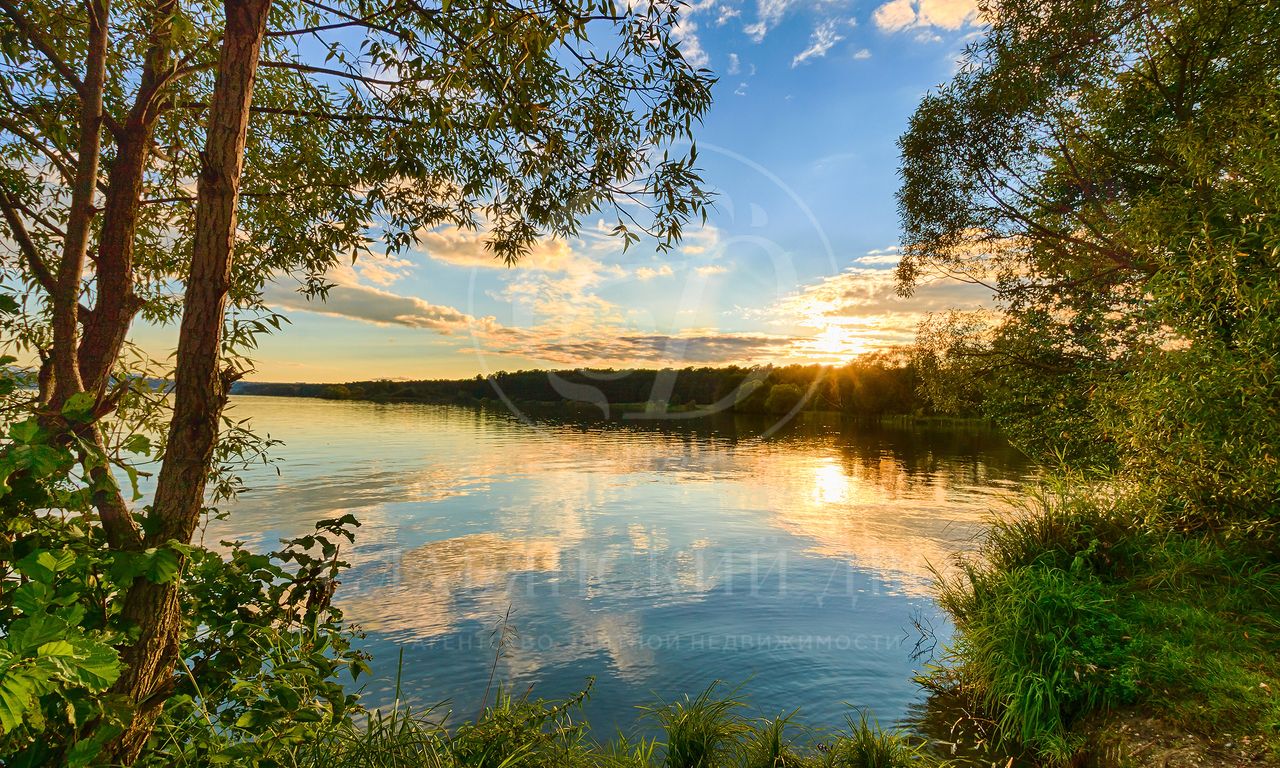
x=709 y=730
x=1078 y=605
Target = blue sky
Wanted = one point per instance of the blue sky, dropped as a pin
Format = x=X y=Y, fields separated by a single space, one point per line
x=794 y=265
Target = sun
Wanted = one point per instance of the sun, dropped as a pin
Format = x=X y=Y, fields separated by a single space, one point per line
x=837 y=343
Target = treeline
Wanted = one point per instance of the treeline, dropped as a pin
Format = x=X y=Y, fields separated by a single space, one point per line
x=879 y=384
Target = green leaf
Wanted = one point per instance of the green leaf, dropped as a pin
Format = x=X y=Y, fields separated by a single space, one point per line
x=162 y=565
x=24 y=431
x=79 y=406
x=56 y=648
x=98 y=665
x=138 y=444
x=15 y=696
x=132 y=473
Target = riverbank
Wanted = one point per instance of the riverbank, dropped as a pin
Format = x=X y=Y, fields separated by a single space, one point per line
x=1091 y=633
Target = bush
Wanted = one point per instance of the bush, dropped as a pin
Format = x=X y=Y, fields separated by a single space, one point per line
x=263 y=647
x=1082 y=604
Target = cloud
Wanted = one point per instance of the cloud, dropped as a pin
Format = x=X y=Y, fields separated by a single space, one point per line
x=768 y=14
x=374 y=305
x=897 y=15
x=823 y=39
x=702 y=241
x=632 y=348
x=464 y=248
x=862 y=55
x=557 y=317
x=648 y=273
x=382 y=270
x=859 y=309
x=735 y=66
x=685 y=33
x=881 y=256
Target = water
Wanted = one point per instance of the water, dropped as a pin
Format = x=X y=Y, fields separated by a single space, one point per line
x=656 y=560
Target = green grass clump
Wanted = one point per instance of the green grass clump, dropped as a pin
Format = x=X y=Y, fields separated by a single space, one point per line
x=1080 y=606
x=701 y=731
x=866 y=745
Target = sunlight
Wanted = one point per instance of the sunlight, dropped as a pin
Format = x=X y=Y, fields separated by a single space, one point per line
x=830 y=483
x=836 y=341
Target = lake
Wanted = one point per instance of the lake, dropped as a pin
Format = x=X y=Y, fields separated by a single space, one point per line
x=656 y=557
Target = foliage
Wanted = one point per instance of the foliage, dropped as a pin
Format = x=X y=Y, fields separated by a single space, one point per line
x=705 y=731
x=871 y=386
x=1110 y=169
x=866 y=745
x=263 y=647
x=1075 y=606
x=57 y=658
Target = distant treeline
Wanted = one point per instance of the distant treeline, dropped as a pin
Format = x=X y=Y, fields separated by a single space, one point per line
x=880 y=384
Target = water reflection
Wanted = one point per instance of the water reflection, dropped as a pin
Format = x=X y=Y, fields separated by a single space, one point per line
x=657 y=557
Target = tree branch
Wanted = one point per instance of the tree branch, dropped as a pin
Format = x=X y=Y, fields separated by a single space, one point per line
x=306 y=68
x=59 y=161
x=353 y=117
x=19 y=231
x=42 y=44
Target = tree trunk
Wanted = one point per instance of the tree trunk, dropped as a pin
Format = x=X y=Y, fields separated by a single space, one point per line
x=107 y=325
x=200 y=388
x=65 y=298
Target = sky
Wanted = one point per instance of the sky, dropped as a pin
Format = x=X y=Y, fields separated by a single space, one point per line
x=794 y=264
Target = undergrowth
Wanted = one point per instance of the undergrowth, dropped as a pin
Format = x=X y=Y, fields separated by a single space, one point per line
x=706 y=731
x=1080 y=604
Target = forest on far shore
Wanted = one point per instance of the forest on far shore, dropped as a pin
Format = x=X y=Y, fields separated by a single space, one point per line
x=877 y=384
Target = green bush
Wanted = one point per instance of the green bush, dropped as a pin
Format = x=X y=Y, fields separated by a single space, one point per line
x=1081 y=604
x=263 y=647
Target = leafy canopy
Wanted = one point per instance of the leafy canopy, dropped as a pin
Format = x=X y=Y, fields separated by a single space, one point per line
x=1109 y=168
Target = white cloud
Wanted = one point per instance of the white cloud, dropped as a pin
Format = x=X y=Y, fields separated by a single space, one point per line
x=881 y=257
x=862 y=55
x=381 y=270
x=686 y=36
x=768 y=14
x=823 y=39
x=735 y=66
x=897 y=15
x=648 y=273
x=727 y=14
x=704 y=240
x=711 y=269
x=859 y=310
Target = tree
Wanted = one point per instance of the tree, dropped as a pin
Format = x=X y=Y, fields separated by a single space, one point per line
x=1108 y=168
x=782 y=398
x=165 y=161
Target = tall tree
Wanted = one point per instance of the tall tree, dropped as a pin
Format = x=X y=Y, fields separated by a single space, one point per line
x=164 y=160
x=1108 y=167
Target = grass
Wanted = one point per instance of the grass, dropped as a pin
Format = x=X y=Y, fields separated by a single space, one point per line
x=706 y=731
x=1079 y=606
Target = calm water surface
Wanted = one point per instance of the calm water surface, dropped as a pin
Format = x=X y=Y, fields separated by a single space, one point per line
x=656 y=560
